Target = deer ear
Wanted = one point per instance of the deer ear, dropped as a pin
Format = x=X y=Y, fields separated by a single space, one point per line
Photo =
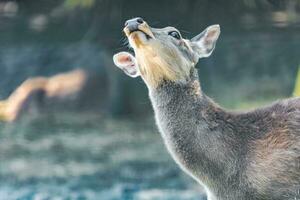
x=204 y=43
x=127 y=63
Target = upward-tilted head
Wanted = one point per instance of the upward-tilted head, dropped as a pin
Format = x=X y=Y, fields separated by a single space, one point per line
x=162 y=54
x=235 y=156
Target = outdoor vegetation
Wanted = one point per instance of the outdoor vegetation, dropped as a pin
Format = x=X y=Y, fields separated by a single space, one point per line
x=102 y=143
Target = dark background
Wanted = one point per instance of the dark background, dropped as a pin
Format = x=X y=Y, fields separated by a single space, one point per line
x=256 y=58
x=104 y=143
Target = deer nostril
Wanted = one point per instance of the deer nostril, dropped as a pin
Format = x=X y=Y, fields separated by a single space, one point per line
x=126 y=23
x=139 y=20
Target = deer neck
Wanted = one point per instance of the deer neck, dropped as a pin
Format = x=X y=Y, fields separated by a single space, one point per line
x=196 y=131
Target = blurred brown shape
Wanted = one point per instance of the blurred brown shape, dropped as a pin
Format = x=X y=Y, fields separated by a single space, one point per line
x=41 y=89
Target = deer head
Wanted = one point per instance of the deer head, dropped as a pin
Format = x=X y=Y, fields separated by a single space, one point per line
x=162 y=53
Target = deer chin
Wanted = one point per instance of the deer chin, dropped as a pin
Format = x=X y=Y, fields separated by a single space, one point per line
x=155 y=68
x=139 y=38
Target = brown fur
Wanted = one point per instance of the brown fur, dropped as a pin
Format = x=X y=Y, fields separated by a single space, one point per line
x=251 y=155
x=274 y=157
x=154 y=70
x=158 y=62
x=197 y=90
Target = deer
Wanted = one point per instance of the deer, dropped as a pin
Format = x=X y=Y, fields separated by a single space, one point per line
x=234 y=155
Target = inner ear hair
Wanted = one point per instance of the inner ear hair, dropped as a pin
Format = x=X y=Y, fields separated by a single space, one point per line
x=126 y=62
x=204 y=43
x=212 y=34
x=199 y=36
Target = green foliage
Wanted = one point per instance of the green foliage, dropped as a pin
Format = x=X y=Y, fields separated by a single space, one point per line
x=296 y=92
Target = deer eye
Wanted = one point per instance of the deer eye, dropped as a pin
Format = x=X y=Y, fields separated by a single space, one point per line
x=175 y=34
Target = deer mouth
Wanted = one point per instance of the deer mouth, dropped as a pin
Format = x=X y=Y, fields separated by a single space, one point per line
x=148 y=36
x=144 y=28
x=140 y=36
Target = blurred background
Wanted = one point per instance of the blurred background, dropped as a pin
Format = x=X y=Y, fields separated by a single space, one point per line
x=90 y=133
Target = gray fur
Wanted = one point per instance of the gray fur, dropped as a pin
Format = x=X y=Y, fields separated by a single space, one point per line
x=253 y=155
x=214 y=145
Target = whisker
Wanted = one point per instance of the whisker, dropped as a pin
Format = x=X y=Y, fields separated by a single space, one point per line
x=184 y=31
x=124 y=41
x=128 y=46
x=119 y=48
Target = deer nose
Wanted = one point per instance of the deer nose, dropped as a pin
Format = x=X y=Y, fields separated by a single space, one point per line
x=132 y=24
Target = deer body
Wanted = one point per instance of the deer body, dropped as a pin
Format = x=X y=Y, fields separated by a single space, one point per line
x=236 y=156
x=218 y=148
